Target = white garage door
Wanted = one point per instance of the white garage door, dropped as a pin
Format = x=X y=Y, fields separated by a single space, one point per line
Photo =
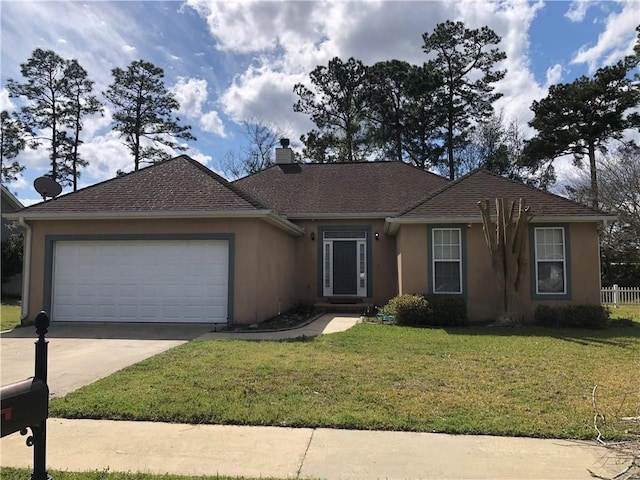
x=141 y=281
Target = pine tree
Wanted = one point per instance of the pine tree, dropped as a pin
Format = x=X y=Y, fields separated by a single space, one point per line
x=465 y=63
x=337 y=105
x=13 y=140
x=46 y=92
x=144 y=112
x=581 y=117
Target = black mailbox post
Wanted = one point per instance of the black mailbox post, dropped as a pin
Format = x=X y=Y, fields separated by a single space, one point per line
x=25 y=404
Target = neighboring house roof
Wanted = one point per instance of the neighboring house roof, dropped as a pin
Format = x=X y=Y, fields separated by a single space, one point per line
x=10 y=200
x=332 y=189
x=459 y=200
x=9 y=204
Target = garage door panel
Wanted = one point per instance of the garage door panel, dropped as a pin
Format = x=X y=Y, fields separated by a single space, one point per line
x=141 y=281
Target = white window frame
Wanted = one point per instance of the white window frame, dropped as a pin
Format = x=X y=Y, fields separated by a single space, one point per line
x=435 y=260
x=538 y=260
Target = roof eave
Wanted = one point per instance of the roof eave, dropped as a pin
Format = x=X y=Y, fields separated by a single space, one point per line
x=11 y=198
x=267 y=215
x=392 y=224
x=336 y=216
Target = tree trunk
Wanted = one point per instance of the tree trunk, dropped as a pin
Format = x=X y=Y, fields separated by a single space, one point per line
x=508 y=256
x=594 y=176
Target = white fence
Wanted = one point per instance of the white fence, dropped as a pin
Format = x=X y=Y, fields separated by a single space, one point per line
x=620 y=296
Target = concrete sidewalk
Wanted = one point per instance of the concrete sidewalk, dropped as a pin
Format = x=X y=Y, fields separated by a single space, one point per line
x=79 y=445
x=322 y=325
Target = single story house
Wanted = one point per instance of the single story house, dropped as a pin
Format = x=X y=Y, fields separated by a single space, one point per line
x=9 y=203
x=175 y=242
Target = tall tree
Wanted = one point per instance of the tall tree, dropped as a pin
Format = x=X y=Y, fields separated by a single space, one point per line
x=422 y=118
x=466 y=64
x=337 y=105
x=619 y=192
x=581 y=117
x=257 y=155
x=81 y=103
x=144 y=112
x=45 y=90
x=402 y=113
x=13 y=140
x=387 y=83
x=496 y=145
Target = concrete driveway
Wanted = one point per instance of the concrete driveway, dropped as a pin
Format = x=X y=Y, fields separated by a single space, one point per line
x=80 y=354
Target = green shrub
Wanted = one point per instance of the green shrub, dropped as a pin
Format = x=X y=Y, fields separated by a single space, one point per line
x=302 y=308
x=546 y=315
x=572 y=316
x=447 y=310
x=11 y=257
x=412 y=310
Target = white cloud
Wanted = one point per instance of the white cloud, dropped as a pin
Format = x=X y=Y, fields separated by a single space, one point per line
x=198 y=156
x=289 y=39
x=18 y=183
x=615 y=41
x=190 y=93
x=30 y=201
x=578 y=10
x=128 y=49
x=106 y=155
x=512 y=21
x=5 y=101
x=554 y=75
x=210 y=122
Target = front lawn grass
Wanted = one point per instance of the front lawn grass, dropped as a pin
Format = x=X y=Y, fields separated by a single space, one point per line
x=8 y=473
x=9 y=314
x=625 y=311
x=528 y=381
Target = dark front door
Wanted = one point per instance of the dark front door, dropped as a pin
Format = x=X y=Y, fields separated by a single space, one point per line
x=345 y=276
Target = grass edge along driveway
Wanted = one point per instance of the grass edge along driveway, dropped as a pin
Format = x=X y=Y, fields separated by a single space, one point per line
x=529 y=381
x=9 y=473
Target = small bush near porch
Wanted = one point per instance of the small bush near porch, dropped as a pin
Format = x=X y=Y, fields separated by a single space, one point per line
x=530 y=381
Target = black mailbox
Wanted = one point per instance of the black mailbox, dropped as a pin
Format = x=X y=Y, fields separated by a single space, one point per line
x=24 y=404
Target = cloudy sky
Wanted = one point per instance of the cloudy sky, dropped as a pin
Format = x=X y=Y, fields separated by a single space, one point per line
x=233 y=61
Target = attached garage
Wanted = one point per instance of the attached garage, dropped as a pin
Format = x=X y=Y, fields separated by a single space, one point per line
x=146 y=280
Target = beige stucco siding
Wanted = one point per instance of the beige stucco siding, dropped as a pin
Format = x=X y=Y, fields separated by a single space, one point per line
x=275 y=287
x=254 y=263
x=412 y=259
x=583 y=269
x=480 y=282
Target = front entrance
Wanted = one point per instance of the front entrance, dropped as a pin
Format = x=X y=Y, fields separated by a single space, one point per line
x=344 y=263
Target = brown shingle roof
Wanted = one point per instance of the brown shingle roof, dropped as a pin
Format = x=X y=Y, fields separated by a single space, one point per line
x=379 y=188
x=460 y=199
x=179 y=185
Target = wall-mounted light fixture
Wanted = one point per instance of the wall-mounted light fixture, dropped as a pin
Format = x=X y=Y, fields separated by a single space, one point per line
x=313 y=236
x=376 y=235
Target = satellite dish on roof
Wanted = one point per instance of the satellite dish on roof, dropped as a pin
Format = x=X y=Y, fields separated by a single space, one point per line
x=47 y=187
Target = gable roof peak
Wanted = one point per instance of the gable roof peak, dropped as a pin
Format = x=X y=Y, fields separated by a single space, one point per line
x=177 y=184
x=363 y=188
x=460 y=198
